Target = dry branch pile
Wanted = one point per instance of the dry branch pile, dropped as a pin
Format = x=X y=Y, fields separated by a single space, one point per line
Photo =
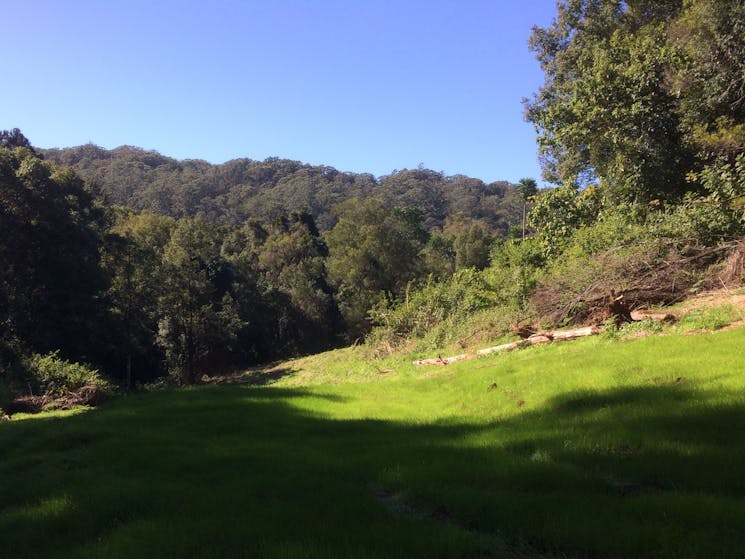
x=83 y=396
x=645 y=275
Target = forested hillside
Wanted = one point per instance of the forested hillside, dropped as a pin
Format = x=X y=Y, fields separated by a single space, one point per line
x=226 y=266
x=241 y=189
x=142 y=266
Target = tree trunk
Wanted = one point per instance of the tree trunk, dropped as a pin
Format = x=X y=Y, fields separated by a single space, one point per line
x=524 y=206
x=129 y=371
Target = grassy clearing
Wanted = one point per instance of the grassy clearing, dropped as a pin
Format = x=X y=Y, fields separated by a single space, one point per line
x=595 y=448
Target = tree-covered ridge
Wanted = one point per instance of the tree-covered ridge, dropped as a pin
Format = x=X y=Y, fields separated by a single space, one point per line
x=234 y=191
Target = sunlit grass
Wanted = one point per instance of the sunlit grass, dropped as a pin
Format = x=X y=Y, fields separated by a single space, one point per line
x=599 y=447
x=711 y=318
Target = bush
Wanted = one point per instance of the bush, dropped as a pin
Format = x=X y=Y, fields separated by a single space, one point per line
x=432 y=306
x=514 y=272
x=57 y=377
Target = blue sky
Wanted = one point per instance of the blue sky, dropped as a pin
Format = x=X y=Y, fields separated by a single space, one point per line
x=361 y=85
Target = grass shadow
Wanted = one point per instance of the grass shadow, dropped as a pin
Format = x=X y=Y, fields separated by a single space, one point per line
x=244 y=471
x=263 y=377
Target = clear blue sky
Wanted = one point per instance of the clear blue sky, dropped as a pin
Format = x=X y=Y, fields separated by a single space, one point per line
x=361 y=85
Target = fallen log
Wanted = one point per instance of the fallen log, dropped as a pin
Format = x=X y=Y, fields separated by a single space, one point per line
x=535 y=339
x=503 y=347
x=442 y=361
x=560 y=335
x=658 y=316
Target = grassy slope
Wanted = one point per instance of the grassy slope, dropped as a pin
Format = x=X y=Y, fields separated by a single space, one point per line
x=593 y=448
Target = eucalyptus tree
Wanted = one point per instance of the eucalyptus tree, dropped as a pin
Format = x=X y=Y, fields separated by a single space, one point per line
x=374 y=252
x=198 y=315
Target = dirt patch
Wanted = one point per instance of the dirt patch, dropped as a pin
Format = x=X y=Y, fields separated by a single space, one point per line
x=711 y=299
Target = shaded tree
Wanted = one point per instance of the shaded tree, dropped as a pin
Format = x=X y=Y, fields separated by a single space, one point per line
x=51 y=234
x=292 y=261
x=198 y=316
x=472 y=247
x=374 y=253
x=133 y=261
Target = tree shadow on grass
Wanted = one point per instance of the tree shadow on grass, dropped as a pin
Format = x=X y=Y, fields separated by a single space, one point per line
x=264 y=377
x=237 y=471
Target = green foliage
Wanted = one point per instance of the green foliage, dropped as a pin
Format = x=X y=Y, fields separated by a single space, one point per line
x=514 y=272
x=132 y=260
x=640 y=328
x=653 y=254
x=559 y=212
x=472 y=246
x=604 y=109
x=197 y=314
x=698 y=219
x=51 y=235
x=708 y=76
x=438 y=256
x=374 y=252
x=711 y=318
x=292 y=262
x=55 y=376
x=243 y=189
x=433 y=310
x=725 y=182
x=648 y=97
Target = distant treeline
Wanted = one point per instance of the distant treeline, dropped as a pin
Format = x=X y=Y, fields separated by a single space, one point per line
x=244 y=189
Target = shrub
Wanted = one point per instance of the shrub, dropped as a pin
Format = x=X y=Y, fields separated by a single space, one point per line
x=433 y=304
x=514 y=272
x=56 y=377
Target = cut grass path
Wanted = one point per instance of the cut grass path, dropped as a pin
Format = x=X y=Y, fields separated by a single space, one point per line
x=594 y=448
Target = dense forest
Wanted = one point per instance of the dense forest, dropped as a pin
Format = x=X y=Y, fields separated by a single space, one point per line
x=244 y=189
x=142 y=266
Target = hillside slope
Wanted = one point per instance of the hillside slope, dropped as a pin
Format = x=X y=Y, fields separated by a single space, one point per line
x=243 y=188
x=603 y=447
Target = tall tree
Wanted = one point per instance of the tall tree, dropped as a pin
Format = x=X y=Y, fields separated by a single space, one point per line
x=605 y=111
x=527 y=187
x=292 y=260
x=15 y=139
x=374 y=253
x=199 y=317
x=709 y=38
x=133 y=261
x=51 y=234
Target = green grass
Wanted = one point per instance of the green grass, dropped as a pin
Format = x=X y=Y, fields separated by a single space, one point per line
x=594 y=448
x=711 y=318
